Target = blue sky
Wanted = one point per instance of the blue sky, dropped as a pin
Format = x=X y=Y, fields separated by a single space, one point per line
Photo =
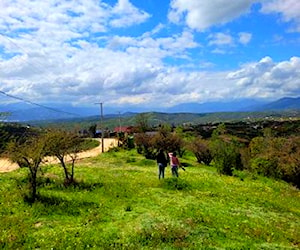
x=150 y=53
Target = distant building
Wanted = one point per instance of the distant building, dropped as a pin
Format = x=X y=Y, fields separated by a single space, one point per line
x=124 y=129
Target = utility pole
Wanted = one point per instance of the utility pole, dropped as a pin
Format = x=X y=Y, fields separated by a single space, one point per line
x=119 y=122
x=101 y=125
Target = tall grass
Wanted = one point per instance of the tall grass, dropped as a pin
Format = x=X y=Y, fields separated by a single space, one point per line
x=119 y=203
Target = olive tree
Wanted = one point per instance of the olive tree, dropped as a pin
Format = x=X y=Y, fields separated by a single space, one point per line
x=29 y=153
x=65 y=147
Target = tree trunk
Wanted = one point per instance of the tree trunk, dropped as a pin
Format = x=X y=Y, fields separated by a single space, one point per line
x=62 y=162
x=33 y=183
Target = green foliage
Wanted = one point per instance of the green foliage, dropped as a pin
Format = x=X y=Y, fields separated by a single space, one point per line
x=87 y=144
x=92 y=130
x=29 y=154
x=226 y=151
x=201 y=150
x=276 y=157
x=144 y=144
x=125 y=140
x=142 y=122
x=64 y=145
x=166 y=140
x=11 y=132
x=120 y=205
x=175 y=184
x=150 y=144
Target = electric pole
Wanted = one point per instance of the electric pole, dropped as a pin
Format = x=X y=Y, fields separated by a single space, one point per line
x=101 y=125
x=119 y=122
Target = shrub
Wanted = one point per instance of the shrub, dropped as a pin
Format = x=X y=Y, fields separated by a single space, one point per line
x=266 y=167
x=170 y=142
x=144 y=145
x=276 y=157
x=226 y=156
x=226 y=151
x=150 y=144
x=201 y=150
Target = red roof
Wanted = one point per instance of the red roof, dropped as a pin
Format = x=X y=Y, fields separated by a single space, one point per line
x=123 y=129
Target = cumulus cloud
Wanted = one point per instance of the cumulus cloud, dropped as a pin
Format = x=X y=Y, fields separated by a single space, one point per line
x=245 y=38
x=202 y=14
x=175 y=45
x=52 y=50
x=127 y=14
x=267 y=78
x=288 y=9
x=220 y=39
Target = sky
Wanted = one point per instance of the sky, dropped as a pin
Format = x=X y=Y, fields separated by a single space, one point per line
x=149 y=53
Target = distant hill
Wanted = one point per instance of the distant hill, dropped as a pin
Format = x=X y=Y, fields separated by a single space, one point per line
x=211 y=107
x=157 y=118
x=282 y=104
x=22 y=112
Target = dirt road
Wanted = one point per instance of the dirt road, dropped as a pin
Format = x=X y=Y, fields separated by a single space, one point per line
x=6 y=165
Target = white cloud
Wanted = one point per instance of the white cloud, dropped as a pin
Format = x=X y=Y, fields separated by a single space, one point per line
x=202 y=14
x=245 y=38
x=160 y=47
x=268 y=79
x=288 y=9
x=219 y=51
x=126 y=14
x=54 y=52
x=220 y=39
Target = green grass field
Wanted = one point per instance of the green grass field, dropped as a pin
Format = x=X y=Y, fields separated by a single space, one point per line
x=119 y=203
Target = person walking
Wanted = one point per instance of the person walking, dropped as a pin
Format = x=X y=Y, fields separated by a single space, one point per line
x=162 y=163
x=175 y=163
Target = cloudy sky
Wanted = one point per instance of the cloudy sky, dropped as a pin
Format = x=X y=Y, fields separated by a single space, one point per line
x=149 y=53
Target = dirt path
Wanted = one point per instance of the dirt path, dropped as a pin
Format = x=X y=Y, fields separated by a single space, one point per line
x=7 y=166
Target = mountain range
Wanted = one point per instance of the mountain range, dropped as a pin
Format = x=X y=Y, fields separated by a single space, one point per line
x=23 y=112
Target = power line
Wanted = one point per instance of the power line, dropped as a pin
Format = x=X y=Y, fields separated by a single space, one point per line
x=38 y=69
x=37 y=104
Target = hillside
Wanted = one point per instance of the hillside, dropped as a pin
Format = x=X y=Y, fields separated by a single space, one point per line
x=119 y=203
x=24 y=112
x=157 y=118
x=282 y=104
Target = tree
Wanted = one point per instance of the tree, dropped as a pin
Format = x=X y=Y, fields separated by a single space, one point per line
x=92 y=130
x=64 y=146
x=142 y=122
x=144 y=143
x=29 y=153
x=150 y=144
x=226 y=151
x=276 y=157
x=201 y=150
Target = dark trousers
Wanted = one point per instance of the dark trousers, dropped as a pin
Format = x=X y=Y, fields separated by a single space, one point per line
x=174 y=171
x=161 y=170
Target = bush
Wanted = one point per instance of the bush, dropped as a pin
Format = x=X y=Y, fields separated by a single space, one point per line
x=226 y=151
x=150 y=144
x=170 y=142
x=144 y=145
x=266 y=167
x=226 y=156
x=276 y=157
x=201 y=150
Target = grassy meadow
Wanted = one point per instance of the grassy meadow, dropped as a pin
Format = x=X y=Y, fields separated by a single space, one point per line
x=119 y=203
